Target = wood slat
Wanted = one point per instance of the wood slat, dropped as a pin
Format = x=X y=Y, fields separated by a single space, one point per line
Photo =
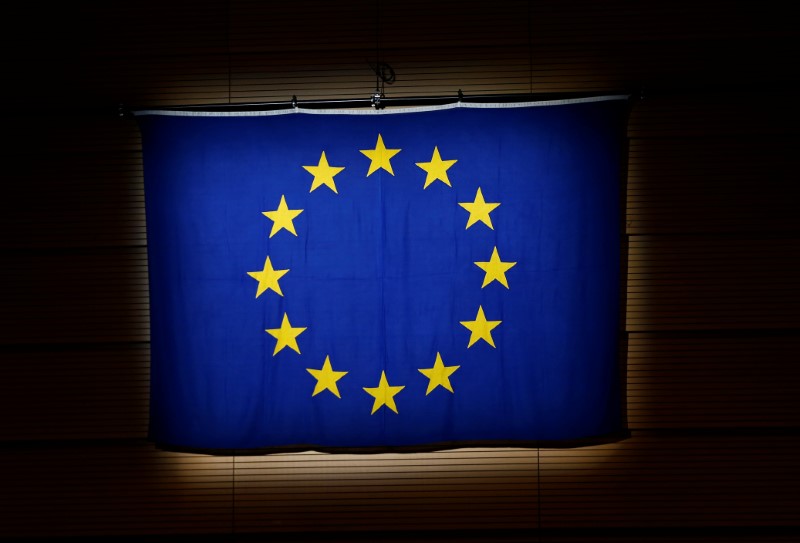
x=712 y=380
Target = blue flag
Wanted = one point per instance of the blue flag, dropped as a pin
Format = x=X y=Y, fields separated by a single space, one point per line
x=385 y=278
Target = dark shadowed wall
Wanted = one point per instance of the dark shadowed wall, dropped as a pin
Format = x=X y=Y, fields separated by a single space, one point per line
x=711 y=328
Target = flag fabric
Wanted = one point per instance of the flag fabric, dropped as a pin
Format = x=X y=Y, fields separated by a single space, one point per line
x=359 y=279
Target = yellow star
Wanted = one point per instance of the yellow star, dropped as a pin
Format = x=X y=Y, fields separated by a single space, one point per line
x=495 y=269
x=439 y=374
x=479 y=210
x=436 y=169
x=326 y=378
x=380 y=157
x=383 y=394
x=267 y=278
x=480 y=328
x=323 y=174
x=286 y=336
x=282 y=217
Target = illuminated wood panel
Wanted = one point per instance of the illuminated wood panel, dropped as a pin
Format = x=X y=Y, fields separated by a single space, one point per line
x=455 y=489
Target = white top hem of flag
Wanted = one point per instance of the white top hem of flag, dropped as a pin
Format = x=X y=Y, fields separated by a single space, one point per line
x=561 y=102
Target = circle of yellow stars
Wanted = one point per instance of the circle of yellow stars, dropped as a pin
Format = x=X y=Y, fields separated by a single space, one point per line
x=480 y=329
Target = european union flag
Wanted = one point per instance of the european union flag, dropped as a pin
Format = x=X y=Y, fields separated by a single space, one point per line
x=385 y=278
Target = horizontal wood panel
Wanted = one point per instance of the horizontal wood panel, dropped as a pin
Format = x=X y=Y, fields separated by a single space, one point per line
x=672 y=118
x=355 y=25
x=712 y=282
x=690 y=380
x=211 y=76
x=75 y=297
x=645 y=480
x=587 y=21
x=83 y=393
x=75 y=200
x=188 y=52
x=113 y=489
x=136 y=489
x=103 y=134
x=249 y=24
x=259 y=26
x=672 y=481
x=720 y=184
x=275 y=76
x=175 y=27
x=162 y=80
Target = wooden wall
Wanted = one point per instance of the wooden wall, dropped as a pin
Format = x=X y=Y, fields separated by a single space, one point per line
x=712 y=326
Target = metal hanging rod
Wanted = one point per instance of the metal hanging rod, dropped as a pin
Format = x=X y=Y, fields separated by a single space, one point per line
x=376 y=100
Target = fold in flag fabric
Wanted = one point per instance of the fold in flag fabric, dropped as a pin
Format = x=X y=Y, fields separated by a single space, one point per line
x=362 y=279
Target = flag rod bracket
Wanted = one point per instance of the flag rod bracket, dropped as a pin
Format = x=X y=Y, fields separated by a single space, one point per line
x=376 y=100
